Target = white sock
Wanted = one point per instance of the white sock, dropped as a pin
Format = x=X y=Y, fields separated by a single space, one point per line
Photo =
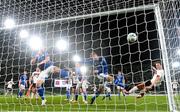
x=133 y=89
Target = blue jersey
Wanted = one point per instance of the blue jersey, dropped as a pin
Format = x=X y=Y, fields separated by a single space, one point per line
x=78 y=73
x=102 y=66
x=64 y=73
x=23 y=79
x=119 y=81
x=41 y=58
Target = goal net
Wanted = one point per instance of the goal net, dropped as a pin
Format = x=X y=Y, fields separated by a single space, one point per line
x=82 y=38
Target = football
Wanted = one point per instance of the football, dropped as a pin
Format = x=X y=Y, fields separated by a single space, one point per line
x=131 y=37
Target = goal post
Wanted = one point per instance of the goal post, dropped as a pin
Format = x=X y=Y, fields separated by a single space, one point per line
x=165 y=59
x=72 y=34
x=119 y=11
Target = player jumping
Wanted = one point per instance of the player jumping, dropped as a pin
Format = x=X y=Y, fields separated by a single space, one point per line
x=42 y=59
x=158 y=75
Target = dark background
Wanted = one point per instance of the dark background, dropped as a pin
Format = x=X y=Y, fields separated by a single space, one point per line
x=106 y=35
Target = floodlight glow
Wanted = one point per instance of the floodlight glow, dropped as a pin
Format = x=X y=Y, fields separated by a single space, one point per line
x=178 y=52
x=23 y=34
x=35 y=43
x=83 y=69
x=76 y=58
x=175 y=64
x=62 y=45
x=9 y=23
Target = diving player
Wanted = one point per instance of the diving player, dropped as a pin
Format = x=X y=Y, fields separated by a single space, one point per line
x=158 y=76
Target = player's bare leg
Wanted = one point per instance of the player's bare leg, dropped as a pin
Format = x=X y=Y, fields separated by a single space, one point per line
x=29 y=91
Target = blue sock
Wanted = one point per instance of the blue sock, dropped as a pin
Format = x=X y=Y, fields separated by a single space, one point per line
x=41 y=92
x=68 y=94
x=20 y=93
x=76 y=97
x=94 y=97
x=85 y=96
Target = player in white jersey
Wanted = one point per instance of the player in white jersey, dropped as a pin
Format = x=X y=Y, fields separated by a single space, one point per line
x=9 y=87
x=158 y=76
x=74 y=84
x=82 y=83
x=32 y=82
x=175 y=85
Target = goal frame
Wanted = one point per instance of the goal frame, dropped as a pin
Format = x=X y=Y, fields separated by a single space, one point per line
x=160 y=31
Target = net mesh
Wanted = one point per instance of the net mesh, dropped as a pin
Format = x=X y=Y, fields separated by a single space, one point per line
x=101 y=26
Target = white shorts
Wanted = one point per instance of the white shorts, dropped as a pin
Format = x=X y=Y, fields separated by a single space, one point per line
x=108 y=89
x=45 y=73
x=22 y=87
x=119 y=87
x=83 y=85
x=102 y=76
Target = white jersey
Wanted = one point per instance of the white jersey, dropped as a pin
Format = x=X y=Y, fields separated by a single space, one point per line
x=10 y=84
x=175 y=85
x=75 y=79
x=35 y=76
x=158 y=77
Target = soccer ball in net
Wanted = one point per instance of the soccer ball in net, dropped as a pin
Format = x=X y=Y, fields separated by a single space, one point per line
x=131 y=37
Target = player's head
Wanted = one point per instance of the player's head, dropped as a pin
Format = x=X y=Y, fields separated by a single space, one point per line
x=38 y=69
x=94 y=55
x=119 y=71
x=77 y=64
x=11 y=79
x=158 y=65
x=25 y=72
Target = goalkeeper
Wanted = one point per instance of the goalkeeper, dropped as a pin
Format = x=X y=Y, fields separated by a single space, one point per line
x=158 y=76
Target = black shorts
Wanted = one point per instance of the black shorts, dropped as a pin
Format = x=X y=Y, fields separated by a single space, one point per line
x=9 y=89
x=34 y=85
x=74 y=86
x=148 y=83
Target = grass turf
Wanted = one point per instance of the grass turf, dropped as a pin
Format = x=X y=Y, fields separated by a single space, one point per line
x=58 y=103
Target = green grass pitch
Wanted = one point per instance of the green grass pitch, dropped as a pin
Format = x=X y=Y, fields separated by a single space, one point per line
x=58 y=103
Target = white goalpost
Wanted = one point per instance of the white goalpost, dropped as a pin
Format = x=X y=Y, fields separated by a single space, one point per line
x=172 y=104
x=66 y=34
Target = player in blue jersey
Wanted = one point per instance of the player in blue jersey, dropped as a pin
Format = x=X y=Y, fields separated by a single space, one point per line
x=65 y=74
x=101 y=70
x=22 y=83
x=119 y=82
x=42 y=59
